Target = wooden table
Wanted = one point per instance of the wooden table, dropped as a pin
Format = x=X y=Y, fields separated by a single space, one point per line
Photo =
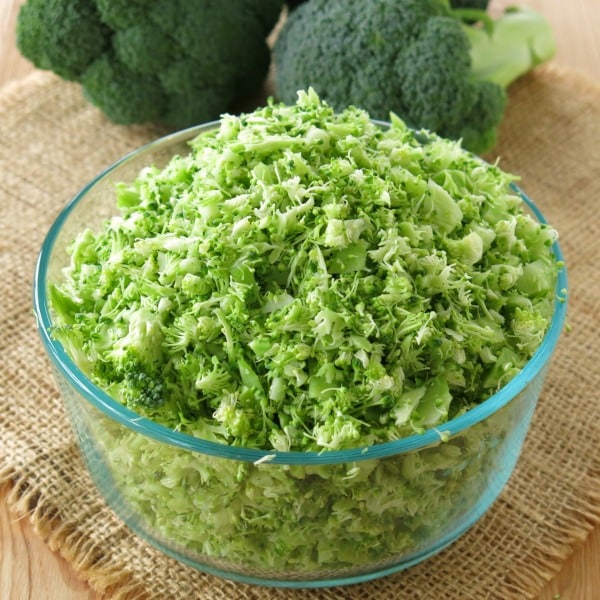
x=30 y=570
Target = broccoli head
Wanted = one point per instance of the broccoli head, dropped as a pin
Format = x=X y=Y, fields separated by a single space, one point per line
x=64 y=37
x=478 y=4
x=179 y=62
x=414 y=58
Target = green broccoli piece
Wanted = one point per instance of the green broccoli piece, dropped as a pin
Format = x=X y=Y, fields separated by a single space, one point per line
x=135 y=362
x=171 y=61
x=140 y=388
x=126 y=96
x=418 y=59
x=121 y=14
x=478 y=4
x=143 y=48
x=67 y=49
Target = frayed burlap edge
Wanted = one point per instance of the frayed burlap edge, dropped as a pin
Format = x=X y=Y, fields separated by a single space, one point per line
x=89 y=561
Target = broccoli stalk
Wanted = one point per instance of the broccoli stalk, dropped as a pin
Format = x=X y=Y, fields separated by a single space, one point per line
x=517 y=42
x=437 y=67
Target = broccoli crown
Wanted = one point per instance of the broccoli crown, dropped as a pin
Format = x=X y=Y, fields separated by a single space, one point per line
x=411 y=58
x=478 y=4
x=179 y=62
x=437 y=91
x=67 y=49
x=125 y=95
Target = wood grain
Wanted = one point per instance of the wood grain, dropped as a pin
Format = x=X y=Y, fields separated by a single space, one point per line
x=12 y=65
x=29 y=570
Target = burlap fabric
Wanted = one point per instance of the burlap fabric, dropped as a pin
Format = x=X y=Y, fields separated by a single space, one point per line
x=52 y=142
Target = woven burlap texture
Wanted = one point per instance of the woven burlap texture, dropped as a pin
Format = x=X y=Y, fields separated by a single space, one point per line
x=52 y=142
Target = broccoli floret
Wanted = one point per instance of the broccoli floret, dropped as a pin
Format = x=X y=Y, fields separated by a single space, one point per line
x=124 y=95
x=448 y=100
x=478 y=4
x=122 y=14
x=415 y=58
x=139 y=388
x=143 y=48
x=134 y=363
x=67 y=49
x=233 y=48
x=179 y=62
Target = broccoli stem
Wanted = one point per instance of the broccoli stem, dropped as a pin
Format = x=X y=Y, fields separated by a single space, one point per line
x=510 y=46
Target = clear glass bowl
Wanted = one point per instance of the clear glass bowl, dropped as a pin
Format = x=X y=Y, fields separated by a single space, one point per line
x=284 y=519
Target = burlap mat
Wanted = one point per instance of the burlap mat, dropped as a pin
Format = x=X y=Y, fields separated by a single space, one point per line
x=52 y=142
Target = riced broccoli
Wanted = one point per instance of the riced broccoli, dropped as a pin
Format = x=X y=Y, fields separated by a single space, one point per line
x=416 y=58
x=308 y=280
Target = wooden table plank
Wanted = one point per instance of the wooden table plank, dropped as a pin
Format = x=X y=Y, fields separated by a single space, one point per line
x=29 y=570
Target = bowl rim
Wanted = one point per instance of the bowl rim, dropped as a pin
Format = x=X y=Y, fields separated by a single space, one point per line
x=142 y=425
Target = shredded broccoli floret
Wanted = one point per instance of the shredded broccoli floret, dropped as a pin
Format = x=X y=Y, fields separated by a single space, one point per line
x=305 y=279
x=136 y=387
x=309 y=280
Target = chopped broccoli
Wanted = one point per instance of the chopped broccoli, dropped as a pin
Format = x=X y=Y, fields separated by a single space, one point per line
x=143 y=389
x=135 y=385
x=418 y=59
x=307 y=280
x=171 y=61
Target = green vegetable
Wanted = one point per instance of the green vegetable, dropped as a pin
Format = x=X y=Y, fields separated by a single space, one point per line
x=477 y=4
x=174 y=61
x=308 y=280
x=415 y=58
x=282 y=521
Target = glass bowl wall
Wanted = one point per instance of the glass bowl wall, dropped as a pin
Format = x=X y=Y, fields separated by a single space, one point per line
x=284 y=518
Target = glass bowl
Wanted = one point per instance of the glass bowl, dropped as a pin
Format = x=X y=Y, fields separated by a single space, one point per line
x=288 y=519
